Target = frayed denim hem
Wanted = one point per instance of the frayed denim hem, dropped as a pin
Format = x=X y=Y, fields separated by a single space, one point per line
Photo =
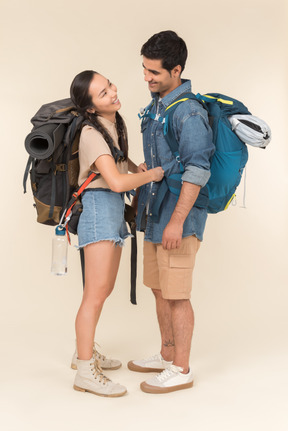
x=117 y=241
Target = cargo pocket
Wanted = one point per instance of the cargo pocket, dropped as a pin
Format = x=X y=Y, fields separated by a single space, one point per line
x=176 y=278
x=181 y=268
x=180 y=261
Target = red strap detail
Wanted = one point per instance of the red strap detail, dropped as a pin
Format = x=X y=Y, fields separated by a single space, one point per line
x=77 y=194
x=68 y=234
x=85 y=184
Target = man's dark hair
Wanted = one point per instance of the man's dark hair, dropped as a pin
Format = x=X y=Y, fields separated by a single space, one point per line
x=168 y=47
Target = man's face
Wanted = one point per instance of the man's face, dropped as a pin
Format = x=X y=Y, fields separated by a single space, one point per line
x=159 y=79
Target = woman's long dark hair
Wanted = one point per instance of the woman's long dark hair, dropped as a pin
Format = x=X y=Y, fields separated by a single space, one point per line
x=79 y=93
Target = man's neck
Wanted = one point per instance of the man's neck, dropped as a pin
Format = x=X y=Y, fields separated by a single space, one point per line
x=170 y=89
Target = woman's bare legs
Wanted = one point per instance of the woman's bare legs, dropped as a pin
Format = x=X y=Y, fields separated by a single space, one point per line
x=101 y=266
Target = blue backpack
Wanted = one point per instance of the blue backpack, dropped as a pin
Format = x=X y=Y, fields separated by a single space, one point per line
x=228 y=161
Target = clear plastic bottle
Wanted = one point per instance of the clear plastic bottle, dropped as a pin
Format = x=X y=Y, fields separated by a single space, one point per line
x=59 y=252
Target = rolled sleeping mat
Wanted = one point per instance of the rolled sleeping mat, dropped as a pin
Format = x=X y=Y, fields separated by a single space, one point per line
x=251 y=130
x=43 y=141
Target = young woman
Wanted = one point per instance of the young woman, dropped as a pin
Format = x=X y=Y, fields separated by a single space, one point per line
x=101 y=230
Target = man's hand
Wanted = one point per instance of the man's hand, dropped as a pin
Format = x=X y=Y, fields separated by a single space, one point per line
x=172 y=235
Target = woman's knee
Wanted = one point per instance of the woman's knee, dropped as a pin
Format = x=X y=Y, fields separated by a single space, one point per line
x=97 y=297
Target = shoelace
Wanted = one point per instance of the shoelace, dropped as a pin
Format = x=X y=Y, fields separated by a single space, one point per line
x=98 y=355
x=168 y=372
x=157 y=357
x=98 y=373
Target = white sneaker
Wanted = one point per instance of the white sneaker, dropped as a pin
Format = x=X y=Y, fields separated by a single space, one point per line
x=105 y=363
x=171 y=379
x=89 y=378
x=153 y=364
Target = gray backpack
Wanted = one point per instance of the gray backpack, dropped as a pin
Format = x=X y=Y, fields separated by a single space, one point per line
x=53 y=159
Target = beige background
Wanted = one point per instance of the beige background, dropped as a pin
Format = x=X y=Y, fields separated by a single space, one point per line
x=239 y=350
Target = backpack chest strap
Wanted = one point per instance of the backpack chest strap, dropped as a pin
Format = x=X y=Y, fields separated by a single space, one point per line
x=155 y=117
x=145 y=113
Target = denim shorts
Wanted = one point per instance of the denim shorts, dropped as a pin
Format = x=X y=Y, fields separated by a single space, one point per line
x=102 y=218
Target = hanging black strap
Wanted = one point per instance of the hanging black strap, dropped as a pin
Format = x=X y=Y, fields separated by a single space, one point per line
x=53 y=194
x=130 y=215
x=133 y=263
x=82 y=265
x=29 y=162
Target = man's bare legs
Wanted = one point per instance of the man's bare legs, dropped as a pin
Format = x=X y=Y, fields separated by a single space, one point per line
x=176 y=323
x=163 y=311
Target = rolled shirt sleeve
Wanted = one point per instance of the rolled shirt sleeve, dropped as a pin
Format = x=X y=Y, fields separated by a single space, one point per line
x=195 y=143
x=196 y=175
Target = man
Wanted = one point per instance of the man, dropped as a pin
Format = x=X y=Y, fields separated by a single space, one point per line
x=172 y=239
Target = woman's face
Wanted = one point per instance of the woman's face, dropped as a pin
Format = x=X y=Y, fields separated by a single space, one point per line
x=104 y=97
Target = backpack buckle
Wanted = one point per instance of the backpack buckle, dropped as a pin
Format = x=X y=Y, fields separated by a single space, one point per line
x=61 y=167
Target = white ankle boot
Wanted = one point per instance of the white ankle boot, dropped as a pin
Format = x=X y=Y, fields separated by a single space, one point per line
x=105 y=363
x=90 y=378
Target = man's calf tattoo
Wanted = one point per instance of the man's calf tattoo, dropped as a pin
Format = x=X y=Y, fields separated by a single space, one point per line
x=169 y=343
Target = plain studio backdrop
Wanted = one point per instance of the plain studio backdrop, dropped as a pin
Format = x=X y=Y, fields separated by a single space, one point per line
x=239 y=349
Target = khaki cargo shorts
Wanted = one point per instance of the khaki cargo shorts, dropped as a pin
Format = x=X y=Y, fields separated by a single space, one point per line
x=170 y=270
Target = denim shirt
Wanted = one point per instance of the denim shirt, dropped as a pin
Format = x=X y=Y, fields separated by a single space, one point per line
x=194 y=136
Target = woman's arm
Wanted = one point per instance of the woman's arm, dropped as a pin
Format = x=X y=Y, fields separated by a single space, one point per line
x=117 y=182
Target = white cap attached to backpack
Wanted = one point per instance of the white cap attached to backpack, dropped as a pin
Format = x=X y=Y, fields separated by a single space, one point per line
x=251 y=130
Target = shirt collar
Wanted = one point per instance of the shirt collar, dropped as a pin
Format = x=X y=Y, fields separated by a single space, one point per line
x=185 y=87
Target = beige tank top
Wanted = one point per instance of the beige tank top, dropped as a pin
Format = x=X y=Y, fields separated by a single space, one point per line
x=91 y=146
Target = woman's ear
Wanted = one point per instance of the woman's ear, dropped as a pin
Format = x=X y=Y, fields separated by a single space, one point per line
x=91 y=110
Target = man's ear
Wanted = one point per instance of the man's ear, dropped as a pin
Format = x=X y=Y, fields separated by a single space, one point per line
x=176 y=71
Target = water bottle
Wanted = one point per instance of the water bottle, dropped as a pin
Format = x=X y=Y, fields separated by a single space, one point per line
x=59 y=252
